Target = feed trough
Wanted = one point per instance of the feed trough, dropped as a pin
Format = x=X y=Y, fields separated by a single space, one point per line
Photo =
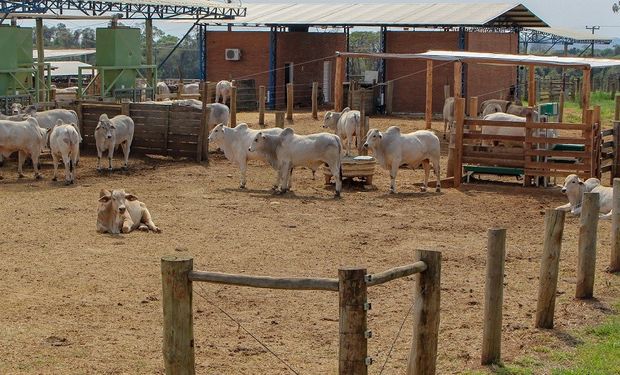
x=354 y=166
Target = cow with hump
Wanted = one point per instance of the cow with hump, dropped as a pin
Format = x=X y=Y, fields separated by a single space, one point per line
x=109 y=134
x=120 y=212
x=25 y=137
x=574 y=188
x=289 y=150
x=64 y=143
x=345 y=124
x=393 y=150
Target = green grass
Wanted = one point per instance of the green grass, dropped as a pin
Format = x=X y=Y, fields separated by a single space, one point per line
x=572 y=110
x=599 y=354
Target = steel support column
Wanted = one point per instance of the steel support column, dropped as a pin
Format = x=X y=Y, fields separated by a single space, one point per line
x=347 y=35
x=273 y=44
x=383 y=66
x=462 y=46
x=202 y=50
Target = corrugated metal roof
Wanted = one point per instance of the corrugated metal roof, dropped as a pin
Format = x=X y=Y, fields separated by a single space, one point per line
x=492 y=58
x=67 y=68
x=181 y=3
x=416 y=14
x=573 y=36
x=54 y=53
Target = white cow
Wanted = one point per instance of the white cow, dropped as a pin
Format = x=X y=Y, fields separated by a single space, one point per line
x=289 y=150
x=121 y=212
x=16 y=108
x=574 y=188
x=220 y=114
x=345 y=124
x=448 y=115
x=235 y=143
x=163 y=89
x=393 y=149
x=224 y=89
x=513 y=131
x=26 y=137
x=491 y=108
x=111 y=132
x=48 y=119
x=64 y=142
x=192 y=88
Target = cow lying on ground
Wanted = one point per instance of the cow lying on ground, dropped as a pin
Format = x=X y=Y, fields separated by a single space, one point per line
x=111 y=132
x=448 y=115
x=574 y=188
x=510 y=131
x=64 y=143
x=192 y=88
x=223 y=89
x=393 y=149
x=288 y=150
x=345 y=124
x=121 y=212
x=26 y=137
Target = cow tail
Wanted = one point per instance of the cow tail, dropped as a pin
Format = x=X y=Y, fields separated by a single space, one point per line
x=71 y=165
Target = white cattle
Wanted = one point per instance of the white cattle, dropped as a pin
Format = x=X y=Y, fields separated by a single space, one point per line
x=48 y=119
x=574 y=188
x=64 y=143
x=235 y=142
x=224 y=89
x=16 y=108
x=163 y=89
x=121 y=212
x=345 y=124
x=491 y=108
x=512 y=131
x=192 y=88
x=393 y=149
x=111 y=132
x=26 y=137
x=448 y=115
x=289 y=150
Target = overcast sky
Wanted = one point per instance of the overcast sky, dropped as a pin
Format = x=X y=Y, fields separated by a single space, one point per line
x=574 y=14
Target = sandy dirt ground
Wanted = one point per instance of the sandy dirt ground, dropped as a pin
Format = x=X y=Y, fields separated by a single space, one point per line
x=77 y=302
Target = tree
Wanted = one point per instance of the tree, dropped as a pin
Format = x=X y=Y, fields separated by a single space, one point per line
x=616 y=7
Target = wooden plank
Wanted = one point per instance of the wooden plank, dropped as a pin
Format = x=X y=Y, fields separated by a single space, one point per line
x=494 y=162
x=291 y=283
x=562 y=154
x=555 y=173
x=561 y=166
x=606 y=132
x=493 y=155
x=185 y=138
x=505 y=124
x=494 y=137
x=428 y=111
x=556 y=141
x=606 y=168
x=148 y=122
x=395 y=273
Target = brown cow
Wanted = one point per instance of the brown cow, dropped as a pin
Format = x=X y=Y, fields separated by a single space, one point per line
x=119 y=211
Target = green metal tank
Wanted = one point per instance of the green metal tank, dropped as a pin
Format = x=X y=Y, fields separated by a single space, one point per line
x=16 y=47
x=118 y=47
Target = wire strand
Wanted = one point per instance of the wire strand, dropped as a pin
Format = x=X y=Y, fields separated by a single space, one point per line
x=244 y=329
x=387 y=358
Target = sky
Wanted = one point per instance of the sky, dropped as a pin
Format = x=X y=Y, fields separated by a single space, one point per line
x=574 y=14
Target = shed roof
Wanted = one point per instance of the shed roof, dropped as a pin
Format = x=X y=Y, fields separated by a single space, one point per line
x=67 y=68
x=412 y=15
x=55 y=53
x=561 y=35
x=494 y=58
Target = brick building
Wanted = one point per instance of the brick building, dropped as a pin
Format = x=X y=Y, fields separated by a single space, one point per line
x=295 y=47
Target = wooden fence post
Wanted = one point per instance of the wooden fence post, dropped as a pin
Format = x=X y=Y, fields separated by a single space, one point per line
x=289 y=101
x=615 y=166
x=614 y=265
x=180 y=89
x=205 y=139
x=389 y=98
x=364 y=125
x=428 y=109
x=178 y=345
x=279 y=119
x=338 y=82
x=561 y=107
x=617 y=112
x=353 y=347
x=586 y=260
x=233 y=107
x=494 y=297
x=426 y=297
x=315 y=100
x=549 y=267
x=261 y=106
x=203 y=135
x=358 y=138
x=459 y=118
x=209 y=93
x=473 y=107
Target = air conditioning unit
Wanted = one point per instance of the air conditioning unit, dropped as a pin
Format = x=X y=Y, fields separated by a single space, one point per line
x=233 y=54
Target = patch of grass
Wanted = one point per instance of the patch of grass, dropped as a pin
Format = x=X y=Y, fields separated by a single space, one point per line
x=572 y=110
x=598 y=355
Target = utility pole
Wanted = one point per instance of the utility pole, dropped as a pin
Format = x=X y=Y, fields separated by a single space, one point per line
x=593 y=28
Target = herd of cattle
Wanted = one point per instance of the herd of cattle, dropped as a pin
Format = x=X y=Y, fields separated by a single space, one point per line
x=28 y=132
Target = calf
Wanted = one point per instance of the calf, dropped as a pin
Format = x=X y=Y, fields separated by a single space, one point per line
x=574 y=188
x=393 y=149
x=224 y=89
x=121 y=212
x=289 y=150
x=26 y=137
x=111 y=132
x=345 y=124
x=64 y=142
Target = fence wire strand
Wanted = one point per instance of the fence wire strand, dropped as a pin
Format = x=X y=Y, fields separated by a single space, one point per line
x=203 y=296
x=387 y=358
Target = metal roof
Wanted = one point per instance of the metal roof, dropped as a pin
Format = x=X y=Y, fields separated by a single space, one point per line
x=134 y=9
x=411 y=15
x=493 y=58
x=54 y=53
x=560 y=35
x=67 y=68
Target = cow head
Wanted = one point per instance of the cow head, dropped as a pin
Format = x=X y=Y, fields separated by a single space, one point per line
x=259 y=139
x=16 y=108
x=217 y=134
x=105 y=126
x=113 y=210
x=331 y=120
x=373 y=137
x=572 y=183
x=31 y=110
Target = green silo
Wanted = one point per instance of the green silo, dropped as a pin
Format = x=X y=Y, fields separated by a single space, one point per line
x=16 y=47
x=118 y=47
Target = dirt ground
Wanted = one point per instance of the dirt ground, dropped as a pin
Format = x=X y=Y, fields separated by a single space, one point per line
x=76 y=302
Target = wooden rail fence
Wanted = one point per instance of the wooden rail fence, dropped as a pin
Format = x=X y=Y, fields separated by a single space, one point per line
x=352 y=283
